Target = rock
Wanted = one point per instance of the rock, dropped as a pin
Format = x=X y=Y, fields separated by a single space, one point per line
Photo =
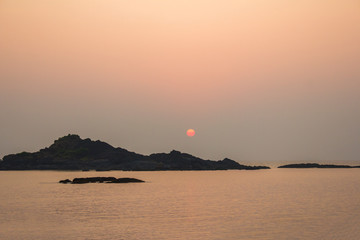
x=100 y=180
x=65 y=181
x=315 y=165
x=125 y=180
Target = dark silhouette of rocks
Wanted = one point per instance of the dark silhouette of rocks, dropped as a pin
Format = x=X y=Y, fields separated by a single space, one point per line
x=73 y=153
x=316 y=165
x=176 y=160
x=65 y=181
x=100 y=180
x=126 y=180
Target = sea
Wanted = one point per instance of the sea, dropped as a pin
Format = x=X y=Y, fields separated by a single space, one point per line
x=235 y=204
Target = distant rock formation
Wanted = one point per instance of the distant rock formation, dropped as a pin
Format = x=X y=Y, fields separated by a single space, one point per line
x=316 y=165
x=100 y=180
x=73 y=153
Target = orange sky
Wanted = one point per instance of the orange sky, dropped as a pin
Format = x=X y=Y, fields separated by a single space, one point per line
x=257 y=80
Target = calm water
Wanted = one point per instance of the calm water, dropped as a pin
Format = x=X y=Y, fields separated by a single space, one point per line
x=267 y=204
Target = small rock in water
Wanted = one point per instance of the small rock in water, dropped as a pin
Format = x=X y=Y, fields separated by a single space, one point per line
x=65 y=181
x=100 y=180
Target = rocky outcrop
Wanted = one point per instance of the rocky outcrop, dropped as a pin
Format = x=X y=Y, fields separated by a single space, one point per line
x=100 y=180
x=73 y=153
x=65 y=181
x=316 y=165
x=183 y=161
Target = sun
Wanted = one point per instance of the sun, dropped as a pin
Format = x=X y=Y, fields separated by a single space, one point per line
x=190 y=132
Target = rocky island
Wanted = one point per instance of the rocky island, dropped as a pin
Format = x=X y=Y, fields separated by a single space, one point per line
x=73 y=153
x=316 y=165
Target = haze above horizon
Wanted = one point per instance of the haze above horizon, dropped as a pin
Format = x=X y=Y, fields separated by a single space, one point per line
x=258 y=81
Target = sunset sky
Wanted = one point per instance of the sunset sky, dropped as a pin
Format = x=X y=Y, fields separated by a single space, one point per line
x=259 y=81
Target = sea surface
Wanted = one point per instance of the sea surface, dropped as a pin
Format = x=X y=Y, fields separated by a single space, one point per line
x=263 y=204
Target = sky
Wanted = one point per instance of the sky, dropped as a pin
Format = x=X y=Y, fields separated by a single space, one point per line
x=259 y=81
